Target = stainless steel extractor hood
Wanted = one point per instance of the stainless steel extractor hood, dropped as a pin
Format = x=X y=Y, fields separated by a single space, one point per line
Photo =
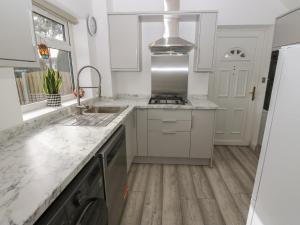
x=171 y=42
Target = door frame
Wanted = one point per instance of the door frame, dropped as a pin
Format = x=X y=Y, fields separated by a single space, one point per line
x=261 y=62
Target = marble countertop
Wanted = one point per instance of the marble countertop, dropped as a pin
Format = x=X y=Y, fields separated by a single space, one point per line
x=138 y=102
x=39 y=162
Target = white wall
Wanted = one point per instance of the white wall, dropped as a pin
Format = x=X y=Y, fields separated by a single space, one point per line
x=261 y=88
x=291 y=4
x=237 y=12
x=11 y=114
x=231 y=12
x=95 y=49
x=100 y=51
x=78 y=8
x=82 y=44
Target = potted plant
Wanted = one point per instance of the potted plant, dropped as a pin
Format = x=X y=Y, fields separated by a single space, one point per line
x=51 y=87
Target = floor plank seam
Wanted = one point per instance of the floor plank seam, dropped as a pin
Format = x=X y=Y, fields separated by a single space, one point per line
x=178 y=187
x=218 y=204
x=144 y=196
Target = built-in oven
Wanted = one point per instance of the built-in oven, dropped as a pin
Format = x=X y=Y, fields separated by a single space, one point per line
x=113 y=157
x=82 y=202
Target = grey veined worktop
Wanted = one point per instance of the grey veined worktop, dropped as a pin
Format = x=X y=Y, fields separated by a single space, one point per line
x=39 y=159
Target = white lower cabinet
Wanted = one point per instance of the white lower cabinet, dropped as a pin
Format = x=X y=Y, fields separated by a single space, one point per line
x=169 y=133
x=202 y=133
x=131 y=138
x=164 y=133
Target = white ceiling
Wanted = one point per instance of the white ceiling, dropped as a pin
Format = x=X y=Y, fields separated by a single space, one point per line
x=291 y=4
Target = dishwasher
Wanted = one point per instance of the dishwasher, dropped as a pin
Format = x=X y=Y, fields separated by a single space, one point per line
x=114 y=162
x=82 y=202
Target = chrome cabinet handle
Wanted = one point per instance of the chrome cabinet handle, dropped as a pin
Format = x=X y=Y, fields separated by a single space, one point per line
x=168 y=132
x=169 y=120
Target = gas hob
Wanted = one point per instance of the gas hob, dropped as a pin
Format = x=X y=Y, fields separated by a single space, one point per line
x=170 y=100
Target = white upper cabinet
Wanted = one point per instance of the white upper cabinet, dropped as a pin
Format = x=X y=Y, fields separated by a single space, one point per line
x=287 y=30
x=124 y=34
x=17 y=42
x=205 y=42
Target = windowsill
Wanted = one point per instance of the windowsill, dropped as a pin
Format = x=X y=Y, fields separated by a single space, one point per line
x=34 y=114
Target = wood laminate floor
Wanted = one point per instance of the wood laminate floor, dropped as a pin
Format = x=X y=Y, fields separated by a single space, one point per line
x=193 y=195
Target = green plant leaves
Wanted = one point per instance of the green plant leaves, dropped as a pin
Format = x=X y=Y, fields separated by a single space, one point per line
x=52 y=82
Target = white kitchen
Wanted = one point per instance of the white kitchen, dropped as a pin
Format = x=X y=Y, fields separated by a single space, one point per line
x=163 y=112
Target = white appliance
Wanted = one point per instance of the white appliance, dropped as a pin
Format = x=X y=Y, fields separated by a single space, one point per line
x=276 y=195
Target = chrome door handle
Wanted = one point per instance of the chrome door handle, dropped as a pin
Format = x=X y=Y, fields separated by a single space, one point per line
x=253 y=92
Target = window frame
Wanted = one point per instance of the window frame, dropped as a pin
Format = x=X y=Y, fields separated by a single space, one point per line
x=66 y=45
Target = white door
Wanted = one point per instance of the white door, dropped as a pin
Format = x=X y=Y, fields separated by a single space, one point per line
x=232 y=88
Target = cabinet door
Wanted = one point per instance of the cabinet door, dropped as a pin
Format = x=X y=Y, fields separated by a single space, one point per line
x=205 y=42
x=131 y=144
x=203 y=125
x=129 y=150
x=17 y=36
x=142 y=132
x=134 y=134
x=124 y=34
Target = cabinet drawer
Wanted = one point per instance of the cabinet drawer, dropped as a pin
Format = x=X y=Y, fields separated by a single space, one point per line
x=169 y=144
x=169 y=115
x=160 y=125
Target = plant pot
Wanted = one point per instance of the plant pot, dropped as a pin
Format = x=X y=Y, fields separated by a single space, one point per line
x=53 y=100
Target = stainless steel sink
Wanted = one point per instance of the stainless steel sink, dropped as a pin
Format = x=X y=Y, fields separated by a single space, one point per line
x=99 y=116
x=104 y=109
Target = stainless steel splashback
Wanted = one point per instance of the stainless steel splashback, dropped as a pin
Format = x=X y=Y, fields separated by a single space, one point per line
x=170 y=74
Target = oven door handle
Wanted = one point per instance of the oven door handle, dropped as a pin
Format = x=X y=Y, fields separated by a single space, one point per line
x=91 y=202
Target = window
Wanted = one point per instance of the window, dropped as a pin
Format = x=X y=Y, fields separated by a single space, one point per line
x=45 y=27
x=235 y=54
x=53 y=32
